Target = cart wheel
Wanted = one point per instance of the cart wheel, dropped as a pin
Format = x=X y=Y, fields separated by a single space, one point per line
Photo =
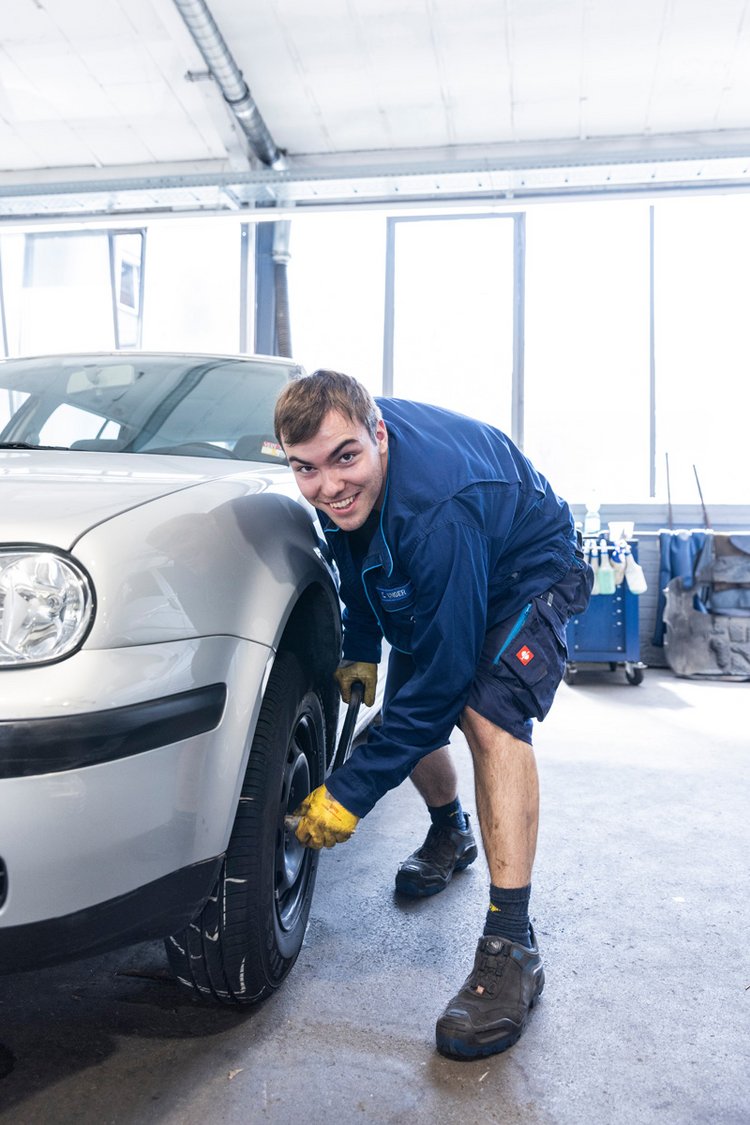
x=613 y=665
x=634 y=676
x=570 y=674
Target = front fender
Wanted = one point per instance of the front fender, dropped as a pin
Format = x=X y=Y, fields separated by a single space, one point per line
x=218 y=559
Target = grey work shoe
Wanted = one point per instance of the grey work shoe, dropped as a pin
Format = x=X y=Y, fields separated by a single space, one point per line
x=490 y=1012
x=429 y=869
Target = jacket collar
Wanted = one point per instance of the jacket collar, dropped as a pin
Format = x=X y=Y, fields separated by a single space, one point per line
x=378 y=553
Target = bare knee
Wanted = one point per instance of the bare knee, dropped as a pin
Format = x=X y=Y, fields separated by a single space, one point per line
x=486 y=739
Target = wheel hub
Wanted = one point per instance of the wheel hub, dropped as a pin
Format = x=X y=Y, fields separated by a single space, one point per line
x=293 y=860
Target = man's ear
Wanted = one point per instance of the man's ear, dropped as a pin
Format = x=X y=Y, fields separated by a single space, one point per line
x=381 y=436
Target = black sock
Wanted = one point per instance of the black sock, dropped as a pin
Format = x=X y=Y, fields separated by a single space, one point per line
x=448 y=816
x=508 y=915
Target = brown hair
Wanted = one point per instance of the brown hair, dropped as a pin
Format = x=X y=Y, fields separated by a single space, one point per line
x=303 y=404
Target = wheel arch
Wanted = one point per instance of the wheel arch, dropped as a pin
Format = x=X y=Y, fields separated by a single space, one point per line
x=313 y=634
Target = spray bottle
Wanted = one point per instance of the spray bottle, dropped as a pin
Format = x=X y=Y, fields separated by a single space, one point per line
x=594 y=563
x=606 y=574
x=634 y=576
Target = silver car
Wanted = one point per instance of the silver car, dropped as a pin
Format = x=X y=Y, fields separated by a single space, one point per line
x=169 y=625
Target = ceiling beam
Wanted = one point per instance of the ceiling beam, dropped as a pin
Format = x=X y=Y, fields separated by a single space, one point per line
x=695 y=161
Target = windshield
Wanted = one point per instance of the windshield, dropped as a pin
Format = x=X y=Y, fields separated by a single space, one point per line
x=195 y=406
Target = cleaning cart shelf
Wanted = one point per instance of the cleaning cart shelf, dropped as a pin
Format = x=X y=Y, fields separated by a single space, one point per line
x=607 y=633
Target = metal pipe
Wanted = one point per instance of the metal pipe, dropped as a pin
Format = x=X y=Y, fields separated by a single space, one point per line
x=280 y=255
x=228 y=76
x=236 y=93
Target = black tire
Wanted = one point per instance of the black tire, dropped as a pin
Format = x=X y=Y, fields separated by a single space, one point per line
x=634 y=676
x=570 y=674
x=248 y=935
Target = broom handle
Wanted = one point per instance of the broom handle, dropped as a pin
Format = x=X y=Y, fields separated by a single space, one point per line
x=706 y=521
x=669 y=495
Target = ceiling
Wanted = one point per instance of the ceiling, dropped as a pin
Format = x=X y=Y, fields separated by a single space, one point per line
x=107 y=107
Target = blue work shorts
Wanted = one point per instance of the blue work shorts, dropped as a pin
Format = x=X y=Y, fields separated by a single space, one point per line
x=523 y=657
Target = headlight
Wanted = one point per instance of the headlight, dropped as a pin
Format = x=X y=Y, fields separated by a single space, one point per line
x=46 y=603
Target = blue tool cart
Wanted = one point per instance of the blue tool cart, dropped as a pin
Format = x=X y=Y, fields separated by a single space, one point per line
x=607 y=632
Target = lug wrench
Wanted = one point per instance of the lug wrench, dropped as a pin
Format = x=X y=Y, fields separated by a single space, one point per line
x=344 y=748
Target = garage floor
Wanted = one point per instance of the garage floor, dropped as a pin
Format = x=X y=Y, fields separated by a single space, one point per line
x=641 y=908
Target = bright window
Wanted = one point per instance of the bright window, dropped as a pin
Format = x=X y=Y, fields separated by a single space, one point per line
x=337 y=294
x=453 y=314
x=587 y=348
x=702 y=250
x=192 y=287
x=66 y=298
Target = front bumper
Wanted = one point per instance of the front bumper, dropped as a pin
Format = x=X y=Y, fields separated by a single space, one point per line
x=162 y=907
x=36 y=746
x=153 y=799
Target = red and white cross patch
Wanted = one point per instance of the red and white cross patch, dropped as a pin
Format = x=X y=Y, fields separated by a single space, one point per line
x=525 y=655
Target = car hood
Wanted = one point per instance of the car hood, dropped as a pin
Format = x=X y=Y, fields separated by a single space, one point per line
x=54 y=497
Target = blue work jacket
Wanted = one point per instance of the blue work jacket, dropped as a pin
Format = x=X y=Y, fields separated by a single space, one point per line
x=468 y=532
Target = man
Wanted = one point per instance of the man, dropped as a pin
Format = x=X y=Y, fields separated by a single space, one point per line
x=451 y=545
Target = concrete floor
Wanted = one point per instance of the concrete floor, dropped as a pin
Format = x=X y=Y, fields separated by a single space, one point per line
x=641 y=908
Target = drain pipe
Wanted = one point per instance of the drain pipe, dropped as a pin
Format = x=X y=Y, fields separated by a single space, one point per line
x=280 y=256
x=236 y=93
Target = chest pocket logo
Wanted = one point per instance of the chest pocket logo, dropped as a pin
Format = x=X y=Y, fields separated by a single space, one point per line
x=395 y=598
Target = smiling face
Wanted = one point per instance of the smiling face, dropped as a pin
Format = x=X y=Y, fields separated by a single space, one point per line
x=342 y=470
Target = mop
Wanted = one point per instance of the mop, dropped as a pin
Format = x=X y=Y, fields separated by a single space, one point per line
x=706 y=521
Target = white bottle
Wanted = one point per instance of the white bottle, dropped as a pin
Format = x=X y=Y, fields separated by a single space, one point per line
x=617 y=558
x=634 y=576
x=592 y=523
x=594 y=563
x=606 y=575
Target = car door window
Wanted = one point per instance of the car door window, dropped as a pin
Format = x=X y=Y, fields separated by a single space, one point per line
x=9 y=404
x=68 y=424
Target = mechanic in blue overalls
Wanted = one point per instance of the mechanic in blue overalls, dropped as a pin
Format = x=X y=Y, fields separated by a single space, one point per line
x=455 y=549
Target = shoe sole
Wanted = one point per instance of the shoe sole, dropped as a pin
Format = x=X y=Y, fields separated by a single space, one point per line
x=424 y=890
x=466 y=1049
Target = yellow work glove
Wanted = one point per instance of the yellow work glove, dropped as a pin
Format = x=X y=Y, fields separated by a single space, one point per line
x=349 y=671
x=323 y=821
